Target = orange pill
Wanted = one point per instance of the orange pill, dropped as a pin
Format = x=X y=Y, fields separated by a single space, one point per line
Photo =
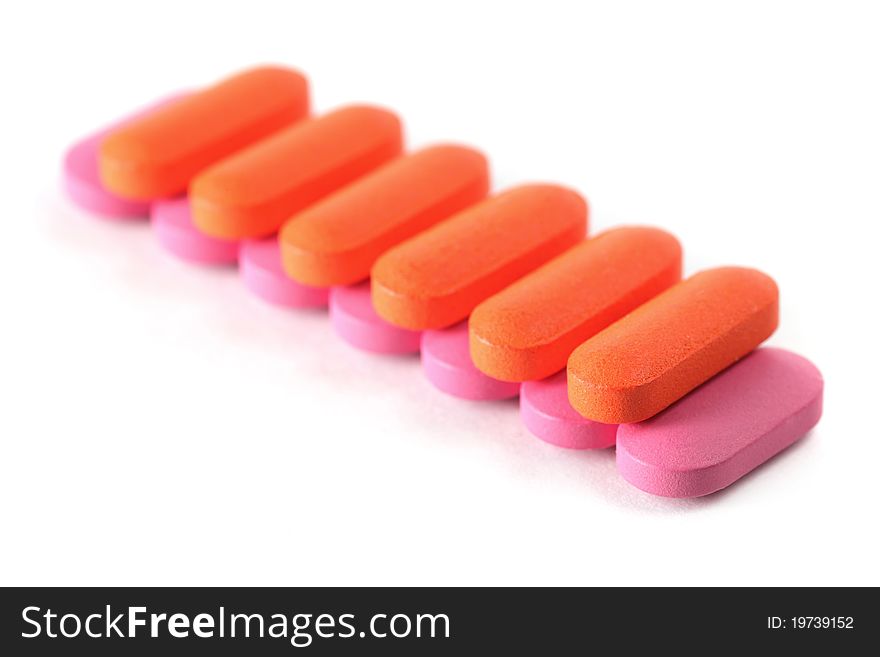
x=528 y=330
x=158 y=155
x=435 y=279
x=658 y=353
x=337 y=240
x=252 y=193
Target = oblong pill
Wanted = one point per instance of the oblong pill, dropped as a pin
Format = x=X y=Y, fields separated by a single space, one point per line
x=528 y=330
x=725 y=428
x=436 y=278
x=546 y=412
x=252 y=193
x=174 y=228
x=260 y=264
x=355 y=321
x=82 y=181
x=447 y=364
x=662 y=350
x=337 y=240
x=159 y=154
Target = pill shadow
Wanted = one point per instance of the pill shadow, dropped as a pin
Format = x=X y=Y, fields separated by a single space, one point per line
x=495 y=426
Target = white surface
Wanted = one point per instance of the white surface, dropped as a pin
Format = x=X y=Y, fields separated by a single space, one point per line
x=161 y=426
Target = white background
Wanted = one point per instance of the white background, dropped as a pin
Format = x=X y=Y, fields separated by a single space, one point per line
x=161 y=426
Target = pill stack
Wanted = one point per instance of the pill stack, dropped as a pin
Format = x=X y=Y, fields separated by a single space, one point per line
x=501 y=293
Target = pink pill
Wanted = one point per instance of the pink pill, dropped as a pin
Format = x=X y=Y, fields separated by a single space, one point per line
x=725 y=428
x=353 y=318
x=261 y=270
x=83 y=184
x=544 y=409
x=176 y=231
x=446 y=360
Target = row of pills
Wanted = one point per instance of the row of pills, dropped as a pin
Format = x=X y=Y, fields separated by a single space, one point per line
x=502 y=295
